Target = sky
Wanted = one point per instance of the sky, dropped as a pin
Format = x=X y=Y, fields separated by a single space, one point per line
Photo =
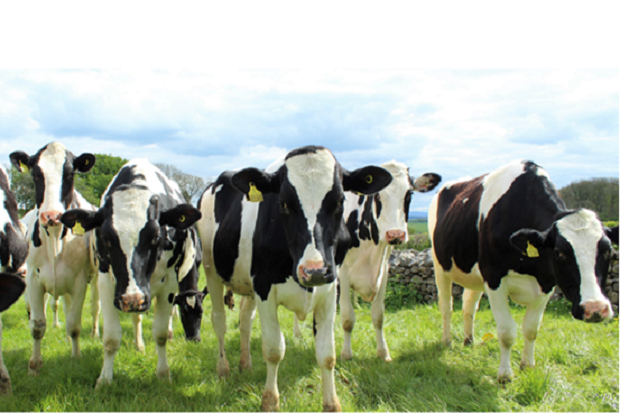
x=455 y=118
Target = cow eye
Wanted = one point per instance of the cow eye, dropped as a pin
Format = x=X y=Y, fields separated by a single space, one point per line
x=559 y=255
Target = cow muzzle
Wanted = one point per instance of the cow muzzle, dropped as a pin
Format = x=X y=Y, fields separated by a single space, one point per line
x=134 y=303
x=315 y=274
x=395 y=236
x=596 y=311
x=50 y=218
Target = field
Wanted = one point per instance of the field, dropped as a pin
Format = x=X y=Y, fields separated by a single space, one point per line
x=577 y=368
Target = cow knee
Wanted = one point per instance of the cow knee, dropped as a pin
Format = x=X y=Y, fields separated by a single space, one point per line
x=530 y=334
x=273 y=355
x=111 y=345
x=75 y=333
x=329 y=362
x=347 y=325
x=162 y=340
x=37 y=328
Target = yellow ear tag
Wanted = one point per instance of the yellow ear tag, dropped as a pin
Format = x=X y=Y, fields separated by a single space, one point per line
x=369 y=179
x=24 y=167
x=532 y=252
x=254 y=195
x=86 y=161
x=182 y=218
x=78 y=229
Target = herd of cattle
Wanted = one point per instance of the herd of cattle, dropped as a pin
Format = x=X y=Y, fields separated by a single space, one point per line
x=282 y=236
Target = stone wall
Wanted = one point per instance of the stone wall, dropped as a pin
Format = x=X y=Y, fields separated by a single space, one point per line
x=416 y=268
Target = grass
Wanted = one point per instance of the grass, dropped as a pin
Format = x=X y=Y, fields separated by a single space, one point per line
x=577 y=367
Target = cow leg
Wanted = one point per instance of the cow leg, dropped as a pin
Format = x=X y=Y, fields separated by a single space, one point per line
x=296 y=327
x=37 y=323
x=73 y=319
x=325 y=317
x=218 y=318
x=444 y=293
x=273 y=349
x=163 y=310
x=377 y=312
x=170 y=330
x=531 y=323
x=471 y=299
x=347 y=316
x=136 y=320
x=95 y=306
x=247 y=314
x=112 y=332
x=55 y=305
x=506 y=329
x=5 y=380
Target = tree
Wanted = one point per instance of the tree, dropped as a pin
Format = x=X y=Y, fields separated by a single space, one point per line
x=190 y=185
x=598 y=194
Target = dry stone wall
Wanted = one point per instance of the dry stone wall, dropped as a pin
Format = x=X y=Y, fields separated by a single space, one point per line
x=416 y=269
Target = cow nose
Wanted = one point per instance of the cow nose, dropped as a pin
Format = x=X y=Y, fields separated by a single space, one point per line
x=132 y=303
x=314 y=273
x=395 y=236
x=596 y=311
x=50 y=218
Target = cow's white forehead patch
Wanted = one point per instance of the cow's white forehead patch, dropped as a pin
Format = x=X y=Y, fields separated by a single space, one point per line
x=129 y=216
x=52 y=162
x=191 y=301
x=392 y=199
x=584 y=231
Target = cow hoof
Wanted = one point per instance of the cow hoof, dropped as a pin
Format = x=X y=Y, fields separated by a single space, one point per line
x=95 y=334
x=468 y=341
x=164 y=375
x=525 y=364
x=102 y=381
x=223 y=369
x=5 y=384
x=245 y=365
x=384 y=355
x=34 y=366
x=140 y=347
x=271 y=401
x=332 y=407
x=446 y=342
x=504 y=378
x=346 y=355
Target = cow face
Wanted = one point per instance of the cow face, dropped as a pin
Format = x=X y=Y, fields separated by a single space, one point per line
x=53 y=169
x=310 y=188
x=132 y=235
x=190 y=308
x=13 y=246
x=577 y=250
x=391 y=204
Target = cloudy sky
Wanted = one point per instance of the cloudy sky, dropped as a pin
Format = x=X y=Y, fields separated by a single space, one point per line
x=456 y=122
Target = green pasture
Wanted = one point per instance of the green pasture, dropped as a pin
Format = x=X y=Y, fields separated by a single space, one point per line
x=577 y=367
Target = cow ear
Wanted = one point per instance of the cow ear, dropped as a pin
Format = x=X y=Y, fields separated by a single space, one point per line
x=529 y=241
x=426 y=182
x=180 y=217
x=11 y=288
x=21 y=161
x=84 y=162
x=612 y=234
x=367 y=180
x=205 y=291
x=81 y=220
x=253 y=183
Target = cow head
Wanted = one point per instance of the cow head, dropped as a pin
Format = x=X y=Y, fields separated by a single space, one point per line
x=310 y=188
x=576 y=248
x=133 y=231
x=53 y=169
x=391 y=210
x=13 y=246
x=190 y=308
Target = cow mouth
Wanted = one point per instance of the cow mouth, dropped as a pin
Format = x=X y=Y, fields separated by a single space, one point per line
x=396 y=241
x=132 y=303
x=315 y=277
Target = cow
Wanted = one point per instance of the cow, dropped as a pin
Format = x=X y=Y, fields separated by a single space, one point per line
x=275 y=237
x=145 y=245
x=13 y=253
x=509 y=234
x=376 y=224
x=58 y=261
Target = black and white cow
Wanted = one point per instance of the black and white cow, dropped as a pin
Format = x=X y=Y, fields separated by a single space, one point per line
x=509 y=234
x=281 y=251
x=58 y=262
x=13 y=253
x=376 y=223
x=145 y=245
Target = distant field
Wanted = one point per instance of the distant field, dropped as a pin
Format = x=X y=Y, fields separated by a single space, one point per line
x=417 y=227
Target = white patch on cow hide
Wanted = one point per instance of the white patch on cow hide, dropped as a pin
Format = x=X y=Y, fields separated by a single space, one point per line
x=52 y=162
x=312 y=176
x=188 y=258
x=4 y=214
x=583 y=231
x=153 y=179
x=496 y=184
x=128 y=219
